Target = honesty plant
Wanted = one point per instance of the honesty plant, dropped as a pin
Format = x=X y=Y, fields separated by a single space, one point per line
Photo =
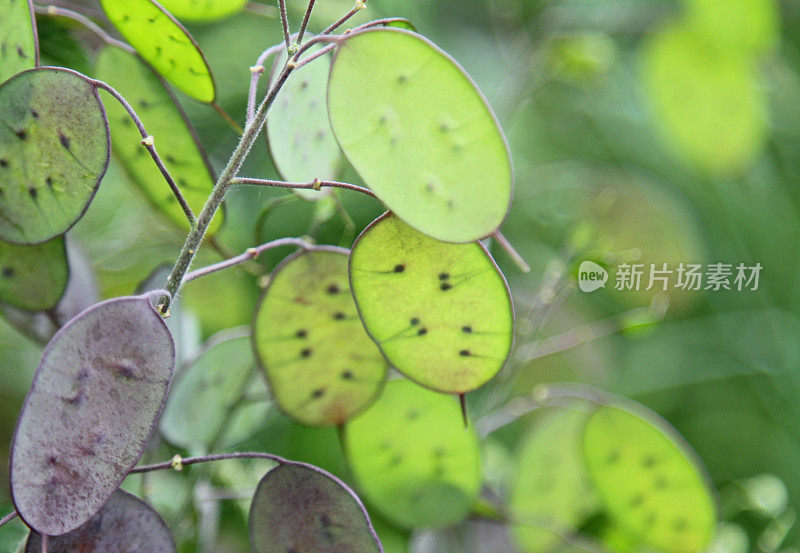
x=419 y=294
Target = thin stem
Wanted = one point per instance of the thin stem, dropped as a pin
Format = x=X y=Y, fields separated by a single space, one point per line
x=224 y=182
x=177 y=462
x=315 y=184
x=315 y=55
x=256 y=71
x=227 y=117
x=86 y=22
x=285 y=24
x=588 y=333
x=251 y=253
x=511 y=251
x=148 y=142
x=8 y=518
x=359 y=5
x=306 y=17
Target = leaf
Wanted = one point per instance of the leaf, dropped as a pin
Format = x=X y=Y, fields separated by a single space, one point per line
x=89 y=413
x=298 y=507
x=299 y=134
x=420 y=134
x=19 y=48
x=33 y=277
x=551 y=494
x=163 y=43
x=175 y=139
x=440 y=312
x=321 y=365
x=413 y=458
x=706 y=98
x=648 y=480
x=124 y=524
x=203 y=10
x=204 y=398
x=54 y=149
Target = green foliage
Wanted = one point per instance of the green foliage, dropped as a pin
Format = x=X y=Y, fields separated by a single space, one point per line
x=203 y=10
x=33 y=277
x=18 y=46
x=54 y=149
x=413 y=458
x=321 y=365
x=420 y=135
x=171 y=129
x=205 y=408
x=440 y=312
x=707 y=98
x=551 y=494
x=164 y=44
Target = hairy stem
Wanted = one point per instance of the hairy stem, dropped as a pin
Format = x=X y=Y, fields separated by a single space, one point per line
x=225 y=179
x=255 y=73
x=251 y=253
x=359 y=5
x=315 y=184
x=148 y=142
x=224 y=182
x=306 y=17
x=285 y=24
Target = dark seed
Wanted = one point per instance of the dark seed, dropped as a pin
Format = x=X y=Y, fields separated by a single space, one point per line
x=414 y=321
x=301 y=333
x=399 y=268
x=306 y=352
x=464 y=353
x=64 y=141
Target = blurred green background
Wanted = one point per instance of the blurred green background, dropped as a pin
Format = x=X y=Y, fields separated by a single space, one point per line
x=647 y=131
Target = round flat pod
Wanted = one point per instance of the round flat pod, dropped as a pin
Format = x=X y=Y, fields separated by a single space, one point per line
x=19 y=43
x=707 y=99
x=299 y=134
x=90 y=411
x=205 y=396
x=300 y=508
x=163 y=43
x=33 y=277
x=413 y=458
x=175 y=138
x=124 y=524
x=440 y=312
x=420 y=134
x=648 y=480
x=551 y=495
x=321 y=365
x=54 y=150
